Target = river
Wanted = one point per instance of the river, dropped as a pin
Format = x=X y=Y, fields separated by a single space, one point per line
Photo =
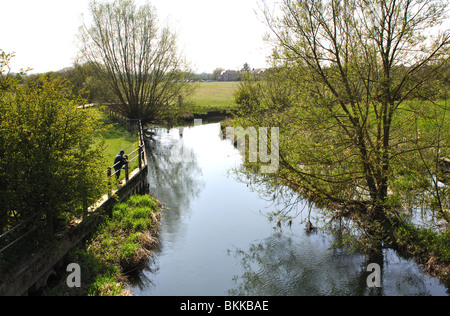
x=216 y=240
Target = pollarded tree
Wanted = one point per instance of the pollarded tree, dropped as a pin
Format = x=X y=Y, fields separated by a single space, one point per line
x=134 y=57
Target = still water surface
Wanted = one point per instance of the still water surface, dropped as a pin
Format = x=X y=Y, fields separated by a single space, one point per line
x=216 y=240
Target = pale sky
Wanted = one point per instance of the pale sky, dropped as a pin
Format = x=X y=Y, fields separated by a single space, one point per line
x=211 y=33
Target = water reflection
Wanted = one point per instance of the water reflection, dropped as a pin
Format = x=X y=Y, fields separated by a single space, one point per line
x=291 y=265
x=216 y=240
x=285 y=265
x=175 y=179
x=174 y=174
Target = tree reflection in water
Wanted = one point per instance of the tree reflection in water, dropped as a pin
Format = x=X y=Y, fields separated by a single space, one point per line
x=288 y=264
x=174 y=175
x=282 y=265
x=316 y=263
x=175 y=179
x=195 y=237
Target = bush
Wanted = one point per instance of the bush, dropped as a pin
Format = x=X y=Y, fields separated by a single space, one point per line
x=121 y=244
x=50 y=164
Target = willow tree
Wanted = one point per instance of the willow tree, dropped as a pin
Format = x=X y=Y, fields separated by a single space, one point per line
x=340 y=91
x=137 y=60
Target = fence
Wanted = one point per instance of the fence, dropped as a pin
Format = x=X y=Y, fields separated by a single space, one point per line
x=138 y=154
x=135 y=183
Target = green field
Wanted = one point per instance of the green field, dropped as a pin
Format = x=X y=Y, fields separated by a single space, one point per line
x=214 y=94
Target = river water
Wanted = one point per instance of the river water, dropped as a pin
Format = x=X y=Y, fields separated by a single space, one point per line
x=216 y=240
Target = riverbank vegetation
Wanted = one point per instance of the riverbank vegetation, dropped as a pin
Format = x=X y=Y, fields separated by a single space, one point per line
x=122 y=244
x=50 y=163
x=53 y=161
x=428 y=247
x=358 y=90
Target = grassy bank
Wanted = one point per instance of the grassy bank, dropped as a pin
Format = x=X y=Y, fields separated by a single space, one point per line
x=428 y=247
x=116 y=138
x=121 y=244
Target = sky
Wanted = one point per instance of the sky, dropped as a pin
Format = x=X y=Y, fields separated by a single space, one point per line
x=211 y=33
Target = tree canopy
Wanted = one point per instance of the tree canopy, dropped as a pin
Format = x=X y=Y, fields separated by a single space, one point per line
x=354 y=140
x=134 y=57
x=50 y=162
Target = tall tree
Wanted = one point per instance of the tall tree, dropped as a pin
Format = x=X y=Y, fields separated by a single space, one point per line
x=134 y=57
x=216 y=73
x=347 y=69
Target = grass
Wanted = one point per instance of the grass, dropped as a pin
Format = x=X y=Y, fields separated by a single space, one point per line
x=214 y=94
x=116 y=137
x=121 y=244
x=208 y=97
x=428 y=247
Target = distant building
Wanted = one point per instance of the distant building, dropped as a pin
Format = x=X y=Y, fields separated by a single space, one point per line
x=229 y=75
x=233 y=75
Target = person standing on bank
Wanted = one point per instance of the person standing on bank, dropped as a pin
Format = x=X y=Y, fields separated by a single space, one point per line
x=119 y=162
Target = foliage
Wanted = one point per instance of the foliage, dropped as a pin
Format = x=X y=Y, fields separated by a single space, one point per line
x=122 y=243
x=429 y=247
x=49 y=168
x=85 y=82
x=126 y=232
x=135 y=59
x=6 y=78
x=340 y=89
